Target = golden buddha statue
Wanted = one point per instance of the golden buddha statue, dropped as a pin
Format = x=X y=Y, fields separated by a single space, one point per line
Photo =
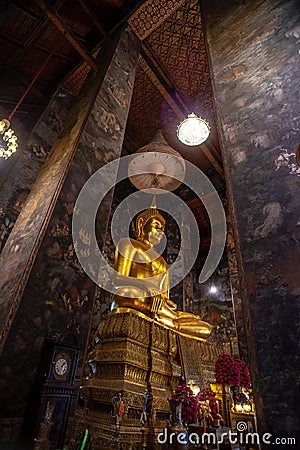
x=142 y=279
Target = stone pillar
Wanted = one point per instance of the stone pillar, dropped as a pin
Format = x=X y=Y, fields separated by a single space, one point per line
x=254 y=55
x=241 y=347
x=43 y=286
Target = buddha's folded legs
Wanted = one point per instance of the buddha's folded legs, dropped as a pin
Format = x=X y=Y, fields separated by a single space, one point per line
x=199 y=329
x=132 y=297
x=191 y=324
x=159 y=309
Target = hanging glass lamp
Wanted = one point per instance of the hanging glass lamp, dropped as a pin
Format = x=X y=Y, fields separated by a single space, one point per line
x=193 y=130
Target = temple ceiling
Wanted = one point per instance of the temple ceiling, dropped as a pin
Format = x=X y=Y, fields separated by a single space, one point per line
x=172 y=77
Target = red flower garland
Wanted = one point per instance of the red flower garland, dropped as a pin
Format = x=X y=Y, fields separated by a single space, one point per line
x=245 y=379
x=232 y=370
x=189 y=409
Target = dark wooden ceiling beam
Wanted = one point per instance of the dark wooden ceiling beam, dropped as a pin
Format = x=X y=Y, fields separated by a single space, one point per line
x=93 y=17
x=163 y=75
x=212 y=159
x=130 y=141
x=36 y=32
x=213 y=150
x=20 y=45
x=34 y=13
x=62 y=27
x=111 y=32
x=153 y=62
x=160 y=87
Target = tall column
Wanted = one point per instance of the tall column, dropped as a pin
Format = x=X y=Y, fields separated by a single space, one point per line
x=253 y=54
x=241 y=348
x=43 y=286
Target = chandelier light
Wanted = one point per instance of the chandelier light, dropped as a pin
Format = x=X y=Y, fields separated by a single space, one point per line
x=8 y=139
x=193 y=130
x=8 y=142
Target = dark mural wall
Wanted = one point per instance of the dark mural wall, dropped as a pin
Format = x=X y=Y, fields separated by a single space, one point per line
x=254 y=57
x=58 y=293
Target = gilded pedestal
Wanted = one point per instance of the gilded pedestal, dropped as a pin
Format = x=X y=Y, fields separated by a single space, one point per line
x=134 y=355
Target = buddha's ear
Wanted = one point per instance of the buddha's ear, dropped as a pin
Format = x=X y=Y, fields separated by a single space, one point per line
x=139 y=226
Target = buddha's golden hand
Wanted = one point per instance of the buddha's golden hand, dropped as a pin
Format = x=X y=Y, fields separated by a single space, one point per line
x=156 y=300
x=171 y=304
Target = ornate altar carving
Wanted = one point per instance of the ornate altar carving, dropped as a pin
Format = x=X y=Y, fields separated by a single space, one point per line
x=134 y=354
x=198 y=360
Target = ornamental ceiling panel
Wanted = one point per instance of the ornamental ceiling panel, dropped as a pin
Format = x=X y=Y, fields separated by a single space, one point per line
x=19 y=26
x=49 y=37
x=176 y=54
x=180 y=47
x=151 y=14
x=141 y=126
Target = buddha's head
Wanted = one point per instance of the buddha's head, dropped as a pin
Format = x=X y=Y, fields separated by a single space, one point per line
x=150 y=226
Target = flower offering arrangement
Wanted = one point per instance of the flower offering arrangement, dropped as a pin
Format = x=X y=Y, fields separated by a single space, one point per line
x=189 y=404
x=232 y=370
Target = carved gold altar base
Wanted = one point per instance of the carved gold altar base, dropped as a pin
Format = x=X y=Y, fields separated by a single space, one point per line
x=223 y=395
x=134 y=354
x=198 y=360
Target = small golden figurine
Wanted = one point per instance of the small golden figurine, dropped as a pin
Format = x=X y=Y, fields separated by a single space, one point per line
x=142 y=279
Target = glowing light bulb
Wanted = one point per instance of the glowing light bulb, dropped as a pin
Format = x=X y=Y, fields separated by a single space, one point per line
x=9 y=137
x=193 y=131
x=4 y=125
x=8 y=134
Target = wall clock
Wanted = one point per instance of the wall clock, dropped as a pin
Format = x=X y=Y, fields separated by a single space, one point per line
x=62 y=364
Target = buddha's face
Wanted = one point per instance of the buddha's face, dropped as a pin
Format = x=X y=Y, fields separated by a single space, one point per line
x=153 y=231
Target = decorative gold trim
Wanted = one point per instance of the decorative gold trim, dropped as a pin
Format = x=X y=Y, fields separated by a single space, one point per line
x=121 y=310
